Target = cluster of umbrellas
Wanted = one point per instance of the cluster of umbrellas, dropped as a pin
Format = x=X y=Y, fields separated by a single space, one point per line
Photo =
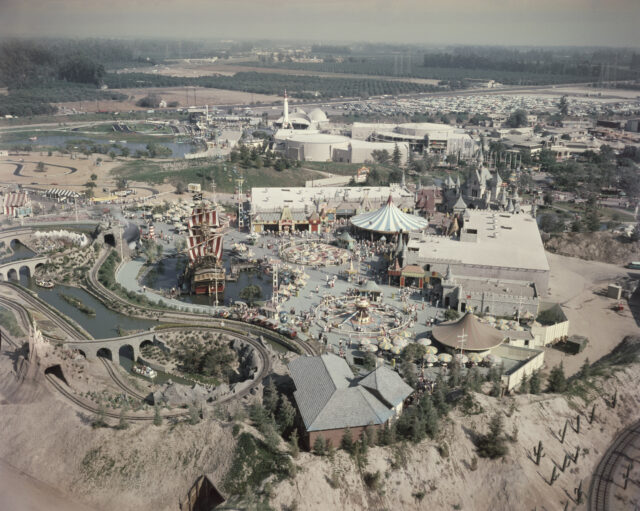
x=316 y=252
x=431 y=356
x=503 y=324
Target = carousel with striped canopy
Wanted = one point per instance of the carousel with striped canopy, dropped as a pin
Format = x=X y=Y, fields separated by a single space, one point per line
x=205 y=273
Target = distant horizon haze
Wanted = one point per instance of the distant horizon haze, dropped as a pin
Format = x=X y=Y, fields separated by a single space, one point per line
x=613 y=23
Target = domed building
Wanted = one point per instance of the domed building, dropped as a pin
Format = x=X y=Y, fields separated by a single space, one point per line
x=299 y=119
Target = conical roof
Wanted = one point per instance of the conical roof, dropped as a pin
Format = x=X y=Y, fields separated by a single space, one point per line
x=468 y=333
x=371 y=287
x=389 y=219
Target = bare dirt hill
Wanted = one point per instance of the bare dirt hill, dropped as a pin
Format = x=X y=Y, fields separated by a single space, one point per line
x=596 y=246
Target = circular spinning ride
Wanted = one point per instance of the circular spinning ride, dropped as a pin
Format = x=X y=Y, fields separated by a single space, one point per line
x=356 y=316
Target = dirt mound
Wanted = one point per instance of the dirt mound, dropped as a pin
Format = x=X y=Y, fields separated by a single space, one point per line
x=594 y=246
x=626 y=352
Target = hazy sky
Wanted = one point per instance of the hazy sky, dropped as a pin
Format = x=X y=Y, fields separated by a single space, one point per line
x=505 y=22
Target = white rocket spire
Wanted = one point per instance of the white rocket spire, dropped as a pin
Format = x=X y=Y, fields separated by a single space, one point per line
x=285 y=121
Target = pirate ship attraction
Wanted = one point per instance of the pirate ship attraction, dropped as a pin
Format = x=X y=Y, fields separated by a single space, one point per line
x=205 y=273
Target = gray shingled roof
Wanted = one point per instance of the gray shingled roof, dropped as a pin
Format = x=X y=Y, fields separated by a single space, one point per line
x=329 y=397
x=388 y=384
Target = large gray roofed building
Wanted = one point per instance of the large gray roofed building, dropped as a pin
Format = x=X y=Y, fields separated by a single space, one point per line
x=329 y=397
x=386 y=384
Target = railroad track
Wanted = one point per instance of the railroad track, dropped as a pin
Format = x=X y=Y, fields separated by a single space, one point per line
x=108 y=296
x=53 y=380
x=116 y=379
x=604 y=475
x=266 y=369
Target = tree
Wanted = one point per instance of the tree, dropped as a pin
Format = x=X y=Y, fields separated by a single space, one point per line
x=347 y=442
x=286 y=414
x=121 y=183
x=293 y=443
x=517 y=119
x=414 y=352
x=250 y=294
x=493 y=444
x=381 y=156
x=592 y=216
x=180 y=188
x=396 y=155
x=547 y=198
x=94 y=177
x=534 y=383
x=585 y=370
x=125 y=152
x=157 y=418
x=112 y=155
x=451 y=314
x=557 y=381
x=563 y=106
x=270 y=398
x=151 y=250
x=40 y=167
x=370 y=361
x=320 y=446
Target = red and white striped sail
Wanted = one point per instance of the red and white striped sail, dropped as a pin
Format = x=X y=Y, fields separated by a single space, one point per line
x=204 y=242
x=200 y=217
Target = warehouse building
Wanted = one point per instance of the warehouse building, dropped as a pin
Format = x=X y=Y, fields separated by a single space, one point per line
x=489 y=245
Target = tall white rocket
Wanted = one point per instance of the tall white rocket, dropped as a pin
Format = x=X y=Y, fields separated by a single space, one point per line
x=285 y=121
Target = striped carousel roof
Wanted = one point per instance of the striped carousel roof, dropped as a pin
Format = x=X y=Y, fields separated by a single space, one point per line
x=389 y=219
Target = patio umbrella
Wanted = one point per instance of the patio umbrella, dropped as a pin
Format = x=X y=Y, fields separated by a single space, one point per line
x=364 y=341
x=372 y=348
x=424 y=341
x=396 y=350
x=445 y=358
x=462 y=358
x=400 y=342
x=431 y=350
x=430 y=359
x=385 y=345
x=476 y=358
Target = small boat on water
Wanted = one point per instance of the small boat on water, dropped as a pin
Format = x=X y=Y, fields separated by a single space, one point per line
x=47 y=284
x=145 y=371
x=122 y=141
x=112 y=141
x=33 y=139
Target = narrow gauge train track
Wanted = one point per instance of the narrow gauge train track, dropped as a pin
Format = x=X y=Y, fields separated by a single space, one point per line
x=108 y=296
x=266 y=369
x=603 y=477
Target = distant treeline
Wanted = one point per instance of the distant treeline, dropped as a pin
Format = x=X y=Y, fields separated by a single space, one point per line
x=458 y=65
x=268 y=83
x=538 y=62
x=330 y=50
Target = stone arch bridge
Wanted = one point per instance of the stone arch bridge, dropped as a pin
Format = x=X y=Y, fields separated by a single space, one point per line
x=110 y=347
x=7 y=270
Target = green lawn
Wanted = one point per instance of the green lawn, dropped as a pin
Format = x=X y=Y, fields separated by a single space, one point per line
x=154 y=173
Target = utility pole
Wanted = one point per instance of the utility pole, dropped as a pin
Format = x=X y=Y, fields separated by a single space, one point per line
x=462 y=337
x=239 y=181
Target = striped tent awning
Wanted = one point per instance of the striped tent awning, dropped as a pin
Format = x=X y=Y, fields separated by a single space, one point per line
x=389 y=219
x=61 y=193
